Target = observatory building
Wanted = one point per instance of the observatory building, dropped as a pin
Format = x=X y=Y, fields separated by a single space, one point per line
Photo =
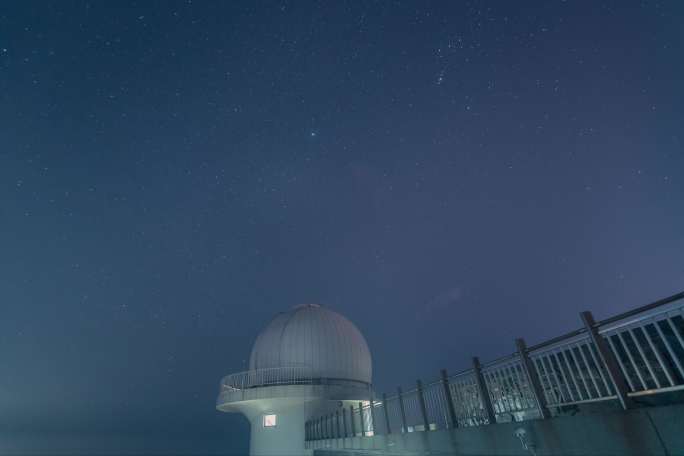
x=307 y=362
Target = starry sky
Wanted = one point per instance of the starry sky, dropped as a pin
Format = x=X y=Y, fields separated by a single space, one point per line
x=448 y=175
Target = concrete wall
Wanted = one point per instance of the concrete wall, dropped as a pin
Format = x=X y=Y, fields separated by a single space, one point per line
x=293 y=405
x=287 y=437
x=641 y=432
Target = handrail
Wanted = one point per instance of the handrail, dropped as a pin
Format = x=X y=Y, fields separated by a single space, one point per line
x=638 y=310
x=561 y=338
x=607 y=321
x=499 y=360
x=280 y=376
x=268 y=376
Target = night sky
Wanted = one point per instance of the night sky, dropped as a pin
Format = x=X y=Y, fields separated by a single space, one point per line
x=448 y=175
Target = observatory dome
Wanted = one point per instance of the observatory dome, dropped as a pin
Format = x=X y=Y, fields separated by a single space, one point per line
x=316 y=338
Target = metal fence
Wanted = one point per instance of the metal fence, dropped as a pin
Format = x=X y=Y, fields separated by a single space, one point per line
x=292 y=375
x=634 y=354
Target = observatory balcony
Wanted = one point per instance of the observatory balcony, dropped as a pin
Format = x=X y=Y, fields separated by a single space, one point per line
x=294 y=375
x=290 y=381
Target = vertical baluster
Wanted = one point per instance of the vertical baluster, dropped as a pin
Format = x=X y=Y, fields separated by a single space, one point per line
x=462 y=399
x=600 y=368
x=361 y=421
x=504 y=393
x=591 y=375
x=484 y=394
x=451 y=412
x=563 y=395
x=371 y=423
x=506 y=390
x=494 y=391
x=566 y=383
x=609 y=360
x=578 y=367
x=400 y=397
x=498 y=380
x=344 y=421
x=421 y=403
x=630 y=356
x=525 y=393
x=665 y=368
x=676 y=332
x=563 y=354
x=385 y=407
x=552 y=396
x=532 y=378
x=673 y=355
x=515 y=388
x=521 y=386
x=643 y=356
x=351 y=420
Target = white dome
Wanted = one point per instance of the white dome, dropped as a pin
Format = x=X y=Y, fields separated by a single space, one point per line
x=317 y=338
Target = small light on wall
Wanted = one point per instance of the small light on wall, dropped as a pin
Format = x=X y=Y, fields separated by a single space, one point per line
x=270 y=420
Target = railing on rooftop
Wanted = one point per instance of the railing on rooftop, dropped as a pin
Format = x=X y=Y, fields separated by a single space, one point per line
x=634 y=354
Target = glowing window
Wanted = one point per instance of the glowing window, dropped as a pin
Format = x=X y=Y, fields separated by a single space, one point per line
x=270 y=420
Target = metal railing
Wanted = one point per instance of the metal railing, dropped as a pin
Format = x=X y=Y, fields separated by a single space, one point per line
x=293 y=375
x=634 y=354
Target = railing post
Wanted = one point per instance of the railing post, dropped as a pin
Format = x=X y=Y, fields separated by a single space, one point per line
x=331 y=426
x=453 y=422
x=351 y=420
x=344 y=421
x=423 y=408
x=484 y=393
x=532 y=378
x=385 y=409
x=326 y=434
x=609 y=361
x=404 y=428
x=363 y=428
x=371 y=425
x=337 y=420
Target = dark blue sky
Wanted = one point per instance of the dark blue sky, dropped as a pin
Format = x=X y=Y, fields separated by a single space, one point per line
x=448 y=175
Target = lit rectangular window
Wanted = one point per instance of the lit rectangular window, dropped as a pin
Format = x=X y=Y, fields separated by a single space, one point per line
x=269 y=420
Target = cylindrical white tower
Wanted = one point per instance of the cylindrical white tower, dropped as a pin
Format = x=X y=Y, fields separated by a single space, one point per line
x=307 y=362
